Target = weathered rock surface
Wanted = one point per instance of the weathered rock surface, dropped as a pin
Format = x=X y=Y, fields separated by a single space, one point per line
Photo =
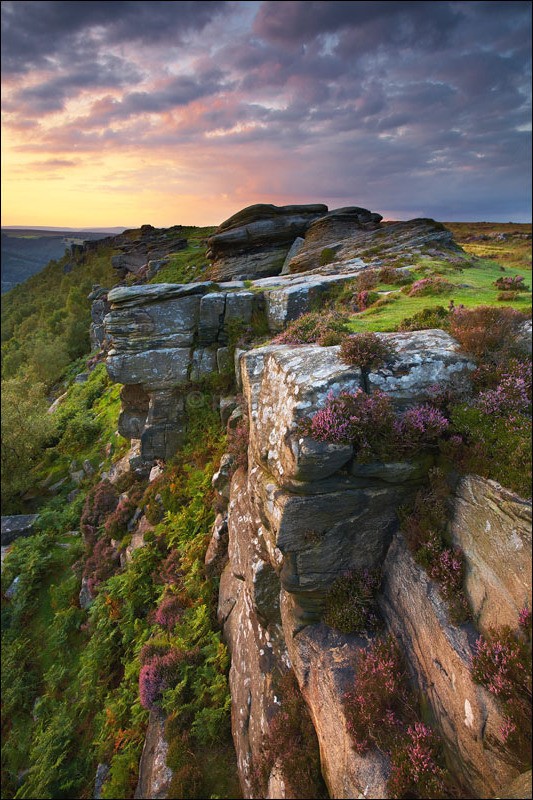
x=149 y=244
x=154 y=775
x=519 y=789
x=255 y=241
x=323 y=661
x=102 y=771
x=330 y=231
x=493 y=528
x=439 y=656
x=16 y=525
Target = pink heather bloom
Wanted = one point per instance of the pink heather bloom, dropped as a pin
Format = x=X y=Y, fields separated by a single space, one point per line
x=524 y=618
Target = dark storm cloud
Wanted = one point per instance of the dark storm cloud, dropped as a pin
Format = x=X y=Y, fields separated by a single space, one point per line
x=34 y=32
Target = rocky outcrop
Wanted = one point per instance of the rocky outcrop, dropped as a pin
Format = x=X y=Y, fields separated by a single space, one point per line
x=162 y=339
x=99 y=308
x=154 y=775
x=148 y=245
x=17 y=525
x=254 y=242
x=439 y=655
x=375 y=244
x=493 y=528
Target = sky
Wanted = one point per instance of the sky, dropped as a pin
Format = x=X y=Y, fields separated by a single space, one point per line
x=127 y=113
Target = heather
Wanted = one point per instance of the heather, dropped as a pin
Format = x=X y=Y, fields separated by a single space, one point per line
x=373 y=427
x=424 y=525
x=381 y=713
x=316 y=327
x=502 y=664
x=350 y=604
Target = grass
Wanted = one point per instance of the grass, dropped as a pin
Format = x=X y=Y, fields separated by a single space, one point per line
x=474 y=287
x=187 y=265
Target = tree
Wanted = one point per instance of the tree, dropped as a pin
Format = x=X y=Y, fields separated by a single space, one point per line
x=26 y=426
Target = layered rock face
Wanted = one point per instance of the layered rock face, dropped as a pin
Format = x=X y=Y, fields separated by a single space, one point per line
x=304 y=514
x=165 y=339
x=254 y=242
x=344 y=237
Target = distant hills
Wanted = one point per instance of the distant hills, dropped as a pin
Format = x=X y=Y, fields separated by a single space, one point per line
x=26 y=251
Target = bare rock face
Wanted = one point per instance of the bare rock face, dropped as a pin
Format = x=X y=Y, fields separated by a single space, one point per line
x=254 y=242
x=493 y=528
x=251 y=627
x=149 y=244
x=439 y=655
x=16 y=525
x=154 y=775
x=330 y=231
x=323 y=661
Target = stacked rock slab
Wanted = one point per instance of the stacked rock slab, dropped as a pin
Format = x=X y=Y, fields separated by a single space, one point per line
x=330 y=231
x=165 y=339
x=254 y=242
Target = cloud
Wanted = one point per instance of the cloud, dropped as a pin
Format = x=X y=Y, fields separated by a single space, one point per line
x=346 y=100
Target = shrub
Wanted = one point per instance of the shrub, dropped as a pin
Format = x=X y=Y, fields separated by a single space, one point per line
x=101 y=564
x=366 y=351
x=428 y=318
x=363 y=300
x=378 y=700
x=424 y=527
x=157 y=674
x=511 y=283
x=237 y=447
x=512 y=393
x=350 y=602
x=415 y=768
x=430 y=286
x=170 y=611
x=292 y=743
x=313 y=328
x=493 y=446
x=367 y=279
x=327 y=256
x=502 y=664
x=369 y=423
x=486 y=331
x=99 y=503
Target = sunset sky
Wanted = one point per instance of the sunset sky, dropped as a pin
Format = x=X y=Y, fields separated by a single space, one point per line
x=124 y=113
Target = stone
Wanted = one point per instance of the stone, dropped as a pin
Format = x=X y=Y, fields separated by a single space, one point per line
x=394 y=471
x=164 y=368
x=519 y=789
x=122 y=296
x=155 y=473
x=81 y=377
x=439 y=657
x=165 y=425
x=227 y=406
x=88 y=468
x=422 y=360
x=492 y=526
x=15 y=525
x=102 y=771
x=330 y=231
x=78 y=477
x=85 y=597
x=135 y=404
x=224 y=360
x=221 y=479
x=317 y=460
x=282 y=385
x=239 y=307
x=12 y=589
x=323 y=661
x=57 y=402
x=154 y=775
x=255 y=241
x=212 y=308
x=71 y=496
x=216 y=556
x=204 y=363
x=154 y=326
x=295 y=247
